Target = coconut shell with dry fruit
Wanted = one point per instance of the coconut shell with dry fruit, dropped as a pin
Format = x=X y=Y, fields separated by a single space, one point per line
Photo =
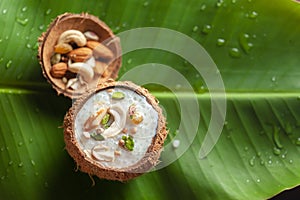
x=109 y=168
x=48 y=44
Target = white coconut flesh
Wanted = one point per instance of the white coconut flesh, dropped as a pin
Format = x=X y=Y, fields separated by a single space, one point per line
x=108 y=151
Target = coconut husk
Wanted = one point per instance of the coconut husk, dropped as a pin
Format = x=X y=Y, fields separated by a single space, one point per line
x=88 y=165
x=82 y=22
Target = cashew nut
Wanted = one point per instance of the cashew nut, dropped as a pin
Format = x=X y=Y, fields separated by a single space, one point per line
x=93 y=121
x=102 y=153
x=72 y=36
x=119 y=121
x=85 y=70
x=71 y=82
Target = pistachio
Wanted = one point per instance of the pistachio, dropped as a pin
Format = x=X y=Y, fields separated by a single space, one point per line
x=85 y=70
x=90 y=35
x=58 y=70
x=118 y=95
x=55 y=58
x=72 y=36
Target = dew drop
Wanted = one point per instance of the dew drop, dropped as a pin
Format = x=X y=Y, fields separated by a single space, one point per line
x=20 y=164
x=235 y=52
x=8 y=64
x=129 y=61
x=247 y=180
x=270 y=162
x=48 y=11
x=46 y=184
x=298 y=141
x=258 y=180
x=2 y=149
x=276 y=151
x=244 y=43
x=291 y=161
x=10 y=163
x=28 y=45
x=203 y=7
x=246 y=148
x=258 y=154
x=41 y=27
x=262 y=162
x=206 y=29
x=252 y=161
x=146 y=3
x=220 y=42
x=24 y=9
x=253 y=15
x=30 y=140
x=32 y=162
x=195 y=28
x=4 y=11
x=273 y=79
x=2 y=178
x=23 y=22
x=36 y=173
x=233 y=1
x=219 y=3
x=20 y=144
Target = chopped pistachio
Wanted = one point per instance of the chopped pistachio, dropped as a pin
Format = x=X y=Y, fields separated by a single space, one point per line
x=105 y=119
x=97 y=136
x=127 y=142
x=118 y=95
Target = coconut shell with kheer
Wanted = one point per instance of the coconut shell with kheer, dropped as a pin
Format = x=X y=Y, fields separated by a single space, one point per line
x=116 y=132
x=67 y=42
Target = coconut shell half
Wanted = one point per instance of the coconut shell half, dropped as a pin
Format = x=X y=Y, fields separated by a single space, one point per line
x=116 y=169
x=81 y=22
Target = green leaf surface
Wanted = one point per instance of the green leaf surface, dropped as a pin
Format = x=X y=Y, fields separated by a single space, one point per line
x=255 y=45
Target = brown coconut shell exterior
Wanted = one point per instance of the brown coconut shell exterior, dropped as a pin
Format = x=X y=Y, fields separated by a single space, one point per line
x=86 y=164
x=82 y=22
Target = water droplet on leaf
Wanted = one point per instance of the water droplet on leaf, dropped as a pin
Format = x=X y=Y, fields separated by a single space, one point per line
x=203 y=7
x=195 y=28
x=276 y=151
x=24 y=9
x=220 y=42
x=4 y=11
x=48 y=11
x=23 y=22
x=252 y=161
x=235 y=52
x=8 y=64
x=206 y=29
x=253 y=15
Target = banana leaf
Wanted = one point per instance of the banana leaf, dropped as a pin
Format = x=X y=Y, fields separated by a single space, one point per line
x=252 y=44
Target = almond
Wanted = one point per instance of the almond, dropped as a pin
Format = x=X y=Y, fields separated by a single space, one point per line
x=80 y=54
x=99 y=50
x=58 y=70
